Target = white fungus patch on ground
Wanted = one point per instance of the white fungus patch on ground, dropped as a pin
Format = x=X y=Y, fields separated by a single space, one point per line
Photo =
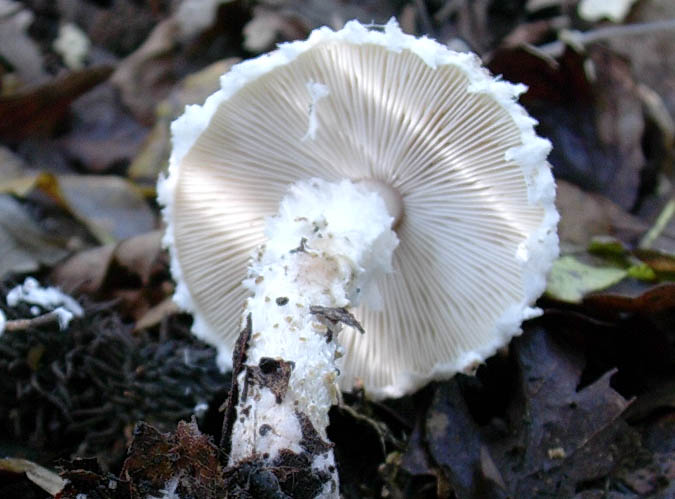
x=45 y=299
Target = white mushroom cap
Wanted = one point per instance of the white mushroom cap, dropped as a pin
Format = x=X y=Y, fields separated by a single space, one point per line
x=477 y=234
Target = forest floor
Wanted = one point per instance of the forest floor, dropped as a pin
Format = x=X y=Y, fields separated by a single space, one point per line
x=124 y=400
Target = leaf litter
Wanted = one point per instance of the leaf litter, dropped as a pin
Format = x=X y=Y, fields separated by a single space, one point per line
x=124 y=403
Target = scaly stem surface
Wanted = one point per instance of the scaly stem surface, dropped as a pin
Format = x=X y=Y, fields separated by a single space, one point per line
x=324 y=251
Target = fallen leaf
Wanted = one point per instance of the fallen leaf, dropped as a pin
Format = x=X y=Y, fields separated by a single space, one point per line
x=85 y=271
x=24 y=245
x=561 y=436
x=584 y=215
x=662 y=263
x=195 y=16
x=275 y=21
x=570 y=279
x=268 y=27
x=535 y=5
x=651 y=473
x=634 y=296
x=38 y=110
x=661 y=236
x=145 y=77
x=46 y=479
x=591 y=110
x=533 y=33
x=110 y=206
x=139 y=254
x=455 y=443
x=120 y=272
x=657 y=399
x=415 y=460
x=11 y=165
x=360 y=444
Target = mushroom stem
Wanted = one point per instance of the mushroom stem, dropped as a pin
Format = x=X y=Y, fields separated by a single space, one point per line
x=325 y=248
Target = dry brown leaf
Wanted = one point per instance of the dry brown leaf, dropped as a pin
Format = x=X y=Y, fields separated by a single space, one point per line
x=139 y=254
x=24 y=245
x=111 y=207
x=85 y=271
x=584 y=215
x=143 y=78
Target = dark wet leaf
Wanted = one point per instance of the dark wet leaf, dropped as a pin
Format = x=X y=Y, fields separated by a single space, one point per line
x=563 y=435
x=415 y=459
x=360 y=443
x=39 y=110
x=657 y=399
x=456 y=445
x=591 y=110
x=635 y=296
x=619 y=123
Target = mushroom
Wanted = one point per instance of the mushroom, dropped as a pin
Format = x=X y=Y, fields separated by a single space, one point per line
x=382 y=139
